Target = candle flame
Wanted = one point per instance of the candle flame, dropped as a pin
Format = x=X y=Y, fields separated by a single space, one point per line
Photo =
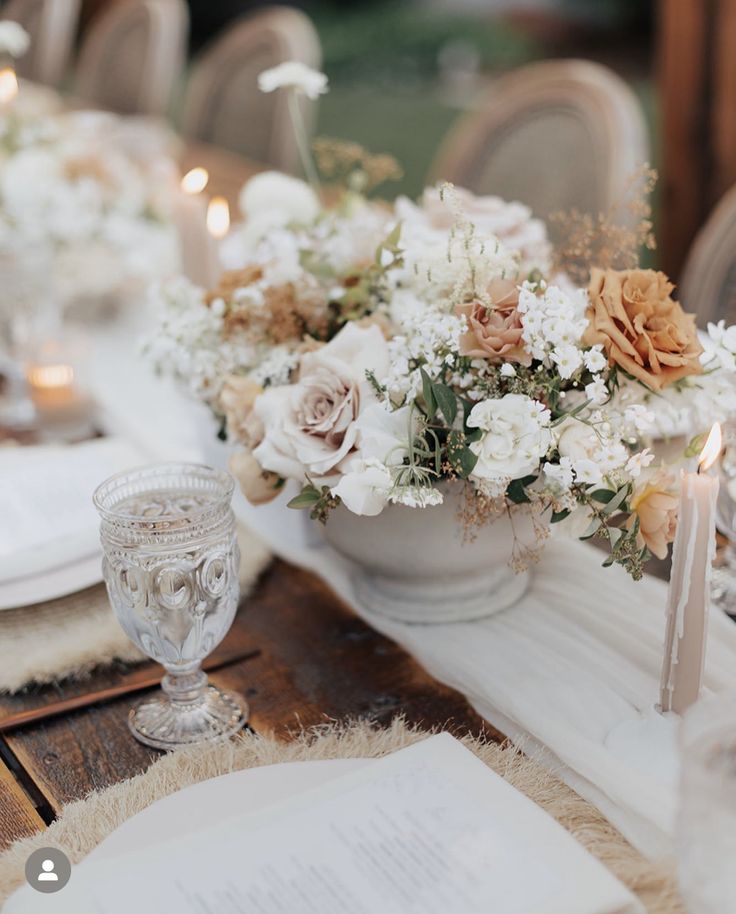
x=195 y=180
x=8 y=85
x=46 y=377
x=218 y=217
x=712 y=449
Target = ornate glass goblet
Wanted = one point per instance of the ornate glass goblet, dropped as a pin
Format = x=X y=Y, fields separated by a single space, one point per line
x=171 y=567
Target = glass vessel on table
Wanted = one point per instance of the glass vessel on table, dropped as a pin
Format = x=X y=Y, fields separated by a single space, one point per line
x=170 y=564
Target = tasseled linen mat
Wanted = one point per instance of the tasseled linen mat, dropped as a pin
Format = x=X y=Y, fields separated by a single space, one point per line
x=81 y=826
x=71 y=636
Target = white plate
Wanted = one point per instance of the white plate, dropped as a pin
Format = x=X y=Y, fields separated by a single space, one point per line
x=211 y=802
x=58 y=582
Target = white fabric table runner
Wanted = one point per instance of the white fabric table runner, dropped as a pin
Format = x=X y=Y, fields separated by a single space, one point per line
x=572 y=670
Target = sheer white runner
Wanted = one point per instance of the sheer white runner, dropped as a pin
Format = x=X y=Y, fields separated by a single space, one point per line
x=572 y=669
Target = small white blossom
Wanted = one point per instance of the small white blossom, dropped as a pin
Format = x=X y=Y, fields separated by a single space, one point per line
x=595 y=360
x=508 y=370
x=596 y=391
x=637 y=462
x=293 y=75
x=560 y=473
x=416 y=496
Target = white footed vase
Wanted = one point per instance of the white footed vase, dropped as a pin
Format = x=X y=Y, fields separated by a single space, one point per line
x=418 y=565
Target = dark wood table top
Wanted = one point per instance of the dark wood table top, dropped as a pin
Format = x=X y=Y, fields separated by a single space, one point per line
x=317 y=663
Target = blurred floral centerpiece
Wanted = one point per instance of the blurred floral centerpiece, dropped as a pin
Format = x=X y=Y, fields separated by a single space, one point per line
x=85 y=190
x=394 y=358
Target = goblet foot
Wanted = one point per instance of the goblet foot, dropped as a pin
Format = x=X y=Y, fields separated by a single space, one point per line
x=165 y=724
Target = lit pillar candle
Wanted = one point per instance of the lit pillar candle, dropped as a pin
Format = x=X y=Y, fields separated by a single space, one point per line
x=199 y=256
x=688 y=601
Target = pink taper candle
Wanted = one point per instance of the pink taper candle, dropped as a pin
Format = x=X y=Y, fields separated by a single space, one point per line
x=689 y=594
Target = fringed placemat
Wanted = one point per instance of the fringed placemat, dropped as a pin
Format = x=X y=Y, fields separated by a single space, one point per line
x=81 y=826
x=71 y=636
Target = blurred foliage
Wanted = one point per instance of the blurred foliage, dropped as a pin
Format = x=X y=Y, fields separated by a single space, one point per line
x=386 y=40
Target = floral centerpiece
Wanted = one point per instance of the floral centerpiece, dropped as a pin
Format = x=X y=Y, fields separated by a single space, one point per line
x=83 y=189
x=401 y=356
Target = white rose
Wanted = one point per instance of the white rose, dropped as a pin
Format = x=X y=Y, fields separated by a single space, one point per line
x=14 y=39
x=293 y=75
x=517 y=436
x=576 y=440
x=277 y=199
x=310 y=426
x=365 y=487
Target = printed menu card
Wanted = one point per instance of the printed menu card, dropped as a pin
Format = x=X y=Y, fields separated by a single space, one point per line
x=427 y=830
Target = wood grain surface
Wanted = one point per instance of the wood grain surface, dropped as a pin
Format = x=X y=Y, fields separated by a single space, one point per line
x=318 y=662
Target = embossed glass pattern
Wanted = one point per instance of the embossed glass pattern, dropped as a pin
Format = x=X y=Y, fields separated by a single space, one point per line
x=171 y=568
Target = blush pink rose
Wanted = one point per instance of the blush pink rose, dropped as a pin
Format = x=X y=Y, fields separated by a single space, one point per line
x=494 y=330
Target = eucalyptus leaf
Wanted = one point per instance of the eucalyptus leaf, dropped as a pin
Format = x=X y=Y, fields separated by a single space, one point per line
x=558 y=516
x=429 y=399
x=307 y=498
x=446 y=400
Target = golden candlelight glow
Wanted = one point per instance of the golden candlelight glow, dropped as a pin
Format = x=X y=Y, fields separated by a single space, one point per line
x=195 y=180
x=218 y=217
x=712 y=449
x=8 y=85
x=50 y=377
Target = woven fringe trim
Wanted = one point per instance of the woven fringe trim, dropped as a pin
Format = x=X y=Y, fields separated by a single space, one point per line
x=82 y=825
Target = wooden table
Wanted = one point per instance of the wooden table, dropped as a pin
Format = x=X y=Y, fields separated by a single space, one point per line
x=318 y=662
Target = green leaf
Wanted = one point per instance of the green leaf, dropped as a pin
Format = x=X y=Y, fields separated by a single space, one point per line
x=516 y=492
x=465 y=462
x=603 y=495
x=307 y=498
x=558 y=516
x=429 y=399
x=446 y=400
x=615 y=503
x=593 y=528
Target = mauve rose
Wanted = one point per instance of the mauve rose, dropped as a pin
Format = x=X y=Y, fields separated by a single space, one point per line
x=494 y=330
x=310 y=426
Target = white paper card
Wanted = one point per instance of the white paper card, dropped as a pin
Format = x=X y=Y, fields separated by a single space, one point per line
x=428 y=830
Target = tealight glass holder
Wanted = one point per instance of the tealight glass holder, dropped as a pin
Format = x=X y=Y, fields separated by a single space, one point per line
x=170 y=564
x=706 y=833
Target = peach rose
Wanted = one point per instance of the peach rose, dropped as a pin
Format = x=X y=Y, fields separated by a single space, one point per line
x=494 y=331
x=237 y=398
x=642 y=329
x=258 y=485
x=656 y=504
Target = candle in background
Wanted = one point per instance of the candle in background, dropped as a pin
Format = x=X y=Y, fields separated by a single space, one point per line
x=689 y=594
x=199 y=254
x=218 y=218
x=8 y=86
x=59 y=403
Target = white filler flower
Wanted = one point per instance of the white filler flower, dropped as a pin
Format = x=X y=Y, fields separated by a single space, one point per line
x=14 y=39
x=293 y=75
